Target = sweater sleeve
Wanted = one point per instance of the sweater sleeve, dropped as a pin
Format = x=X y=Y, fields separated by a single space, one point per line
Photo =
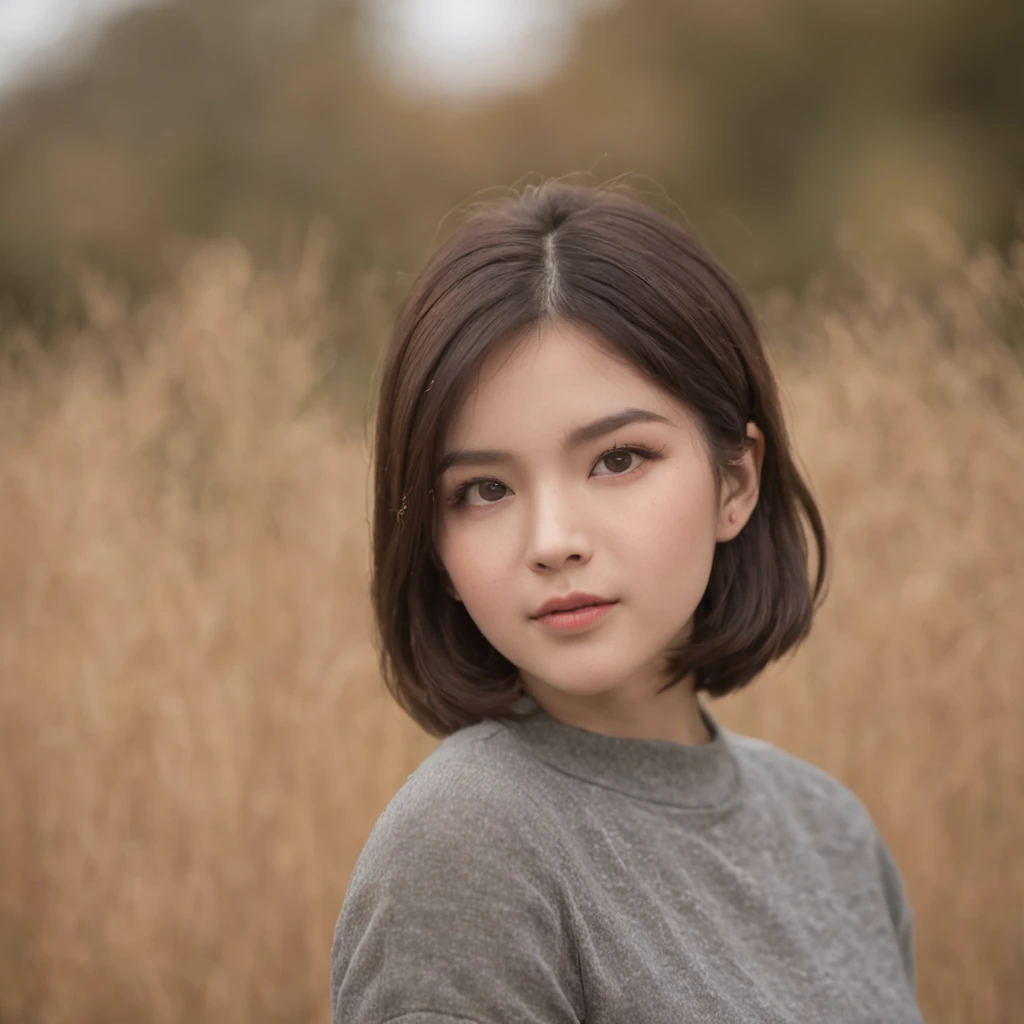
x=899 y=907
x=454 y=913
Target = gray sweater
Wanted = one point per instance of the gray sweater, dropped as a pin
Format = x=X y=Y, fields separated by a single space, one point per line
x=538 y=873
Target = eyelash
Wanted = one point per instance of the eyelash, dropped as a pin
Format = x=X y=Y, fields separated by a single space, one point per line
x=458 y=498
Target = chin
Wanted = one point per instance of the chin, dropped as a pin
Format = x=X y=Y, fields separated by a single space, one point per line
x=583 y=686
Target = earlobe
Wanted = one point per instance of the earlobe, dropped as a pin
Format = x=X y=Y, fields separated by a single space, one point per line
x=727 y=525
x=744 y=483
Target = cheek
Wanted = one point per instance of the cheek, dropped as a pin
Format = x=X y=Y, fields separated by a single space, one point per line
x=477 y=567
x=673 y=539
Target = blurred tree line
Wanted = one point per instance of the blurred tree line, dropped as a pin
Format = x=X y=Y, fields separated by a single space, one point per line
x=768 y=122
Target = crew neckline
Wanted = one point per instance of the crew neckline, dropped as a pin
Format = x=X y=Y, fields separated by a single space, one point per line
x=700 y=776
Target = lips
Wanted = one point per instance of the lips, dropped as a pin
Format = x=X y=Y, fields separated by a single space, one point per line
x=569 y=602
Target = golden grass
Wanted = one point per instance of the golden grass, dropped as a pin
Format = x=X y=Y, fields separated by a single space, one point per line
x=193 y=739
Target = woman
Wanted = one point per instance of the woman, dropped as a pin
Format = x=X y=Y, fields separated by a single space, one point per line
x=587 y=516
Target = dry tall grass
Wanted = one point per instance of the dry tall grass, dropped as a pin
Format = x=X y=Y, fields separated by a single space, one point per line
x=193 y=741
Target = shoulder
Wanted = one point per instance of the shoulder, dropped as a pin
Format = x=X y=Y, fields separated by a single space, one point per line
x=808 y=802
x=469 y=798
x=458 y=902
x=477 y=769
x=800 y=789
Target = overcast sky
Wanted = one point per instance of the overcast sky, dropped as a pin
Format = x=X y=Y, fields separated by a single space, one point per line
x=451 y=46
x=460 y=47
x=29 y=29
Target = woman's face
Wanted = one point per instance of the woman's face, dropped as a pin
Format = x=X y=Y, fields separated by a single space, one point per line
x=551 y=517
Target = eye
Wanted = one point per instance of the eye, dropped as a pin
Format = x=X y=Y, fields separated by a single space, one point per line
x=489 y=490
x=618 y=459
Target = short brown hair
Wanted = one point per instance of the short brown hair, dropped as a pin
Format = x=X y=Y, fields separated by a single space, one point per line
x=600 y=258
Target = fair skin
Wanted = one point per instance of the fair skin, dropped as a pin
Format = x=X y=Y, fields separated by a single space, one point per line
x=548 y=520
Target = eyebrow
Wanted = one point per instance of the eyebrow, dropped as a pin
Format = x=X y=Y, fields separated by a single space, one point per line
x=574 y=439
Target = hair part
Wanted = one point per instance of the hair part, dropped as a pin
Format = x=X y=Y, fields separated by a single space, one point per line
x=604 y=260
x=549 y=302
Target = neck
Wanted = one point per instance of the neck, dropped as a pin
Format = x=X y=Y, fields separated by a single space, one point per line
x=673 y=715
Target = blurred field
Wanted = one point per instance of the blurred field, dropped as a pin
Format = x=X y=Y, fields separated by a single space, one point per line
x=769 y=121
x=193 y=739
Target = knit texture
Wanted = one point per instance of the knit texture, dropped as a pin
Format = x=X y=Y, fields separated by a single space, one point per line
x=538 y=873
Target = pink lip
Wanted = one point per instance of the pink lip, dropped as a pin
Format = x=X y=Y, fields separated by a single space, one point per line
x=578 y=618
x=569 y=602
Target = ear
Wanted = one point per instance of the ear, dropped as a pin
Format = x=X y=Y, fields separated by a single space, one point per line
x=741 y=485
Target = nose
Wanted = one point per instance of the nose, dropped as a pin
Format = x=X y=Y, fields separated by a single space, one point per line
x=556 y=532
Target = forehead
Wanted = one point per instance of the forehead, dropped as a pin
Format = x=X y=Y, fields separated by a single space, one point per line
x=554 y=375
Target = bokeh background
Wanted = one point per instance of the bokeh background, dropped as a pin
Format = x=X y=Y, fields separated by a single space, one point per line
x=208 y=212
